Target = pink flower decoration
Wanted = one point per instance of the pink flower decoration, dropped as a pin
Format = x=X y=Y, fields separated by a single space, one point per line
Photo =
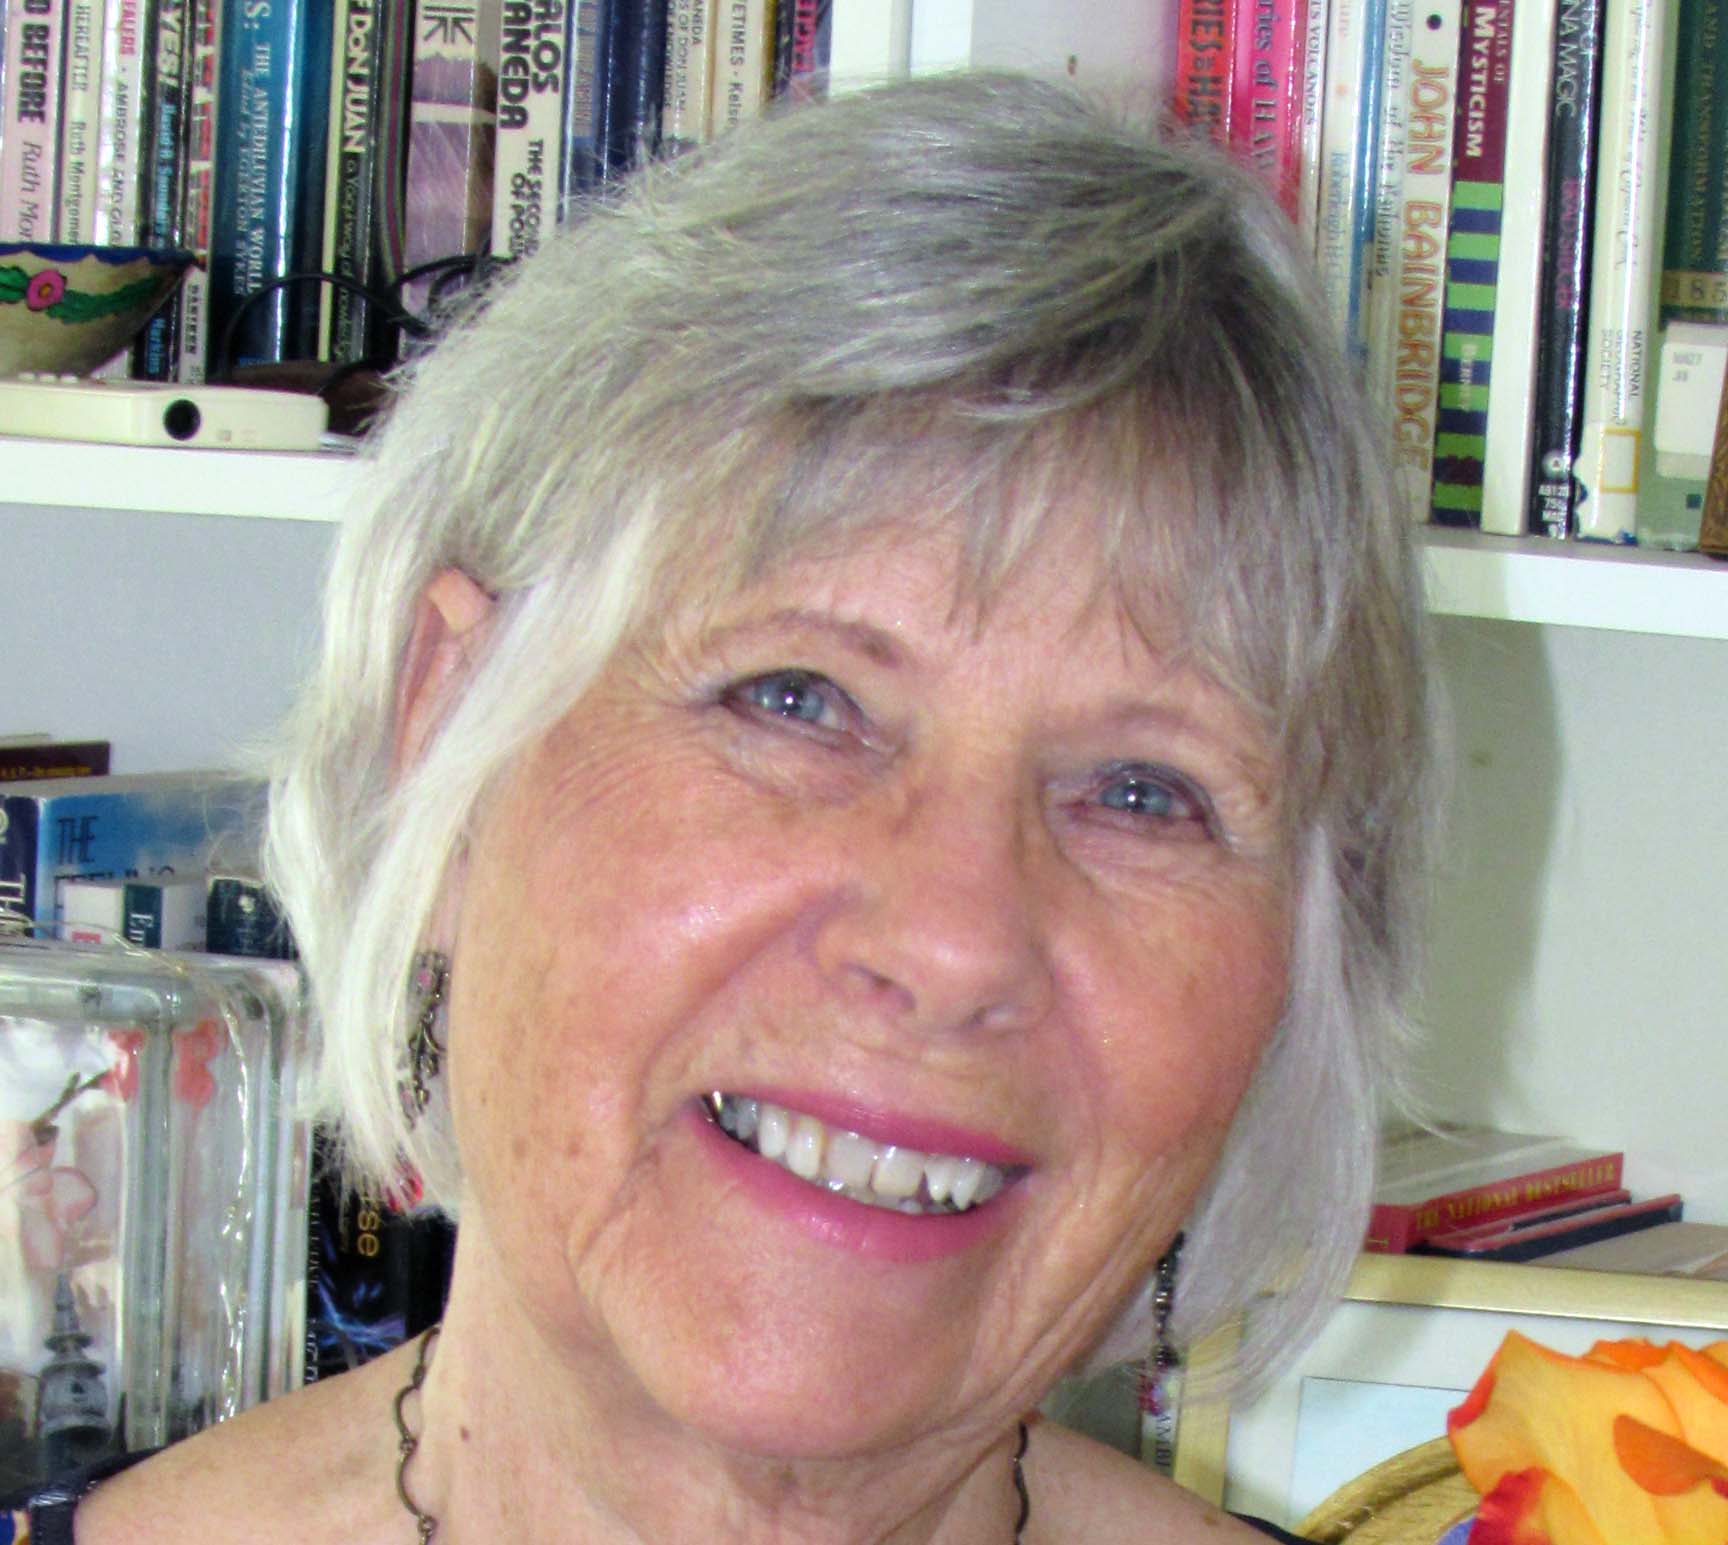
x=52 y=1198
x=121 y=1079
x=194 y=1084
x=44 y=289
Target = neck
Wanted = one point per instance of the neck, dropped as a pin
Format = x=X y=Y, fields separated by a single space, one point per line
x=527 y=1434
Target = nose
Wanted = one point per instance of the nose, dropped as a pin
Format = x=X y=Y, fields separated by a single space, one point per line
x=943 y=924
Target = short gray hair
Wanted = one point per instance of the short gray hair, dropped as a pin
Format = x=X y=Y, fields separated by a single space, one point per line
x=962 y=297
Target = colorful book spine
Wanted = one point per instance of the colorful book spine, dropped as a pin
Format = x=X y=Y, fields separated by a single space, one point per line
x=29 y=129
x=80 y=120
x=1349 y=160
x=1409 y=375
x=162 y=200
x=1316 y=21
x=803 y=43
x=53 y=759
x=345 y=319
x=1394 y=1228
x=1472 y=260
x=268 y=208
x=1380 y=318
x=1206 y=54
x=1517 y=309
x=744 y=57
x=142 y=825
x=689 y=76
x=192 y=302
x=1557 y=419
x=1695 y=246
x=527 y=166
x=452 y=125
x=1622 y=274
x=1265 y=94
x=119 y=152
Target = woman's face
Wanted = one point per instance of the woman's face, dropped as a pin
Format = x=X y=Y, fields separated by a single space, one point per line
x=1005 y=891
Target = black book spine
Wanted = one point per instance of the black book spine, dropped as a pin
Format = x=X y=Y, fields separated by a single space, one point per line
x=635 y=76
x=162 y=139
x=1558 y=412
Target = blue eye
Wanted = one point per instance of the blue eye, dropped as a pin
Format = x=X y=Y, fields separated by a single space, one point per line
x=1155 y=795
x=801 y=696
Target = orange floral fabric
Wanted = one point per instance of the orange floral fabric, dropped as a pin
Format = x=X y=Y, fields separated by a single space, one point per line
x=1626 y=1445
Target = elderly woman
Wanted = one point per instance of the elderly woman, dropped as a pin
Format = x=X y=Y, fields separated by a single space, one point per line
x=867 y=769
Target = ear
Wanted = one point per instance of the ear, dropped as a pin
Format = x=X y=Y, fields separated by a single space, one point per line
x=450 y=619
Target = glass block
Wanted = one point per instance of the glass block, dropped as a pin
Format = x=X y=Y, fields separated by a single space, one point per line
x=153 y=1184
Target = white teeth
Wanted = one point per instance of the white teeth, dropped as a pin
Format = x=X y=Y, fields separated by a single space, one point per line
x=966 y=1182
x=898 y=1173
x=878 y=1174
x=850 y=1159
x=773 y=1127
x=804 y=1149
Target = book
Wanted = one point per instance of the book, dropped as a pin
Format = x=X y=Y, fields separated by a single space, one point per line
x=803 y=35
x=1404 y=353
x=1564 y=293
x=192 y=301
x=1472 y=260
x=353 y=139
x=744 y=59
x=1695 y=230
x=689 y=91
x=138 y=825
x=1512 y=374
x=80 y=120
x=167 y=913
x=267 y=204
x=162 y=196
x=631 y=82
x=1433 y=1182
x=1349 y=162
x=1622 y=274
x=242 y=917
x=29 y=120
x=1579 y=1202
x=119 y=163
x=528 y=171
x=1666 y=1249
x=1265 y=127
x=1581 y=1228
x=47 y=758
x=1205 y=66
x=1315 y=20
x=870 y=42
x=452 y=126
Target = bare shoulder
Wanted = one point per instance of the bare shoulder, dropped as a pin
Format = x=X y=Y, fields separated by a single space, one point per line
x=1082 y=1490
x=316 y=1464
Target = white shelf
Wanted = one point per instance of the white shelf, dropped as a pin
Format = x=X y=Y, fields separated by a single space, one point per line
x=1573 y=584
x=1576 y=584
x=272 y=485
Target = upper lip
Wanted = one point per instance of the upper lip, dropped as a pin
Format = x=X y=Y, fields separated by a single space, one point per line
x=902 y=1129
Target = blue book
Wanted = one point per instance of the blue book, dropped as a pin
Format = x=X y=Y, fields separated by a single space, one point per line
x=139 y=826
x=267 y=221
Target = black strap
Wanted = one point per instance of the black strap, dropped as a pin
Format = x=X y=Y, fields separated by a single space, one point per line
x=52 y=1504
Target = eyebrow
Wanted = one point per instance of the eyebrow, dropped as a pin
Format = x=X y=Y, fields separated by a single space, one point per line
x=875 y=644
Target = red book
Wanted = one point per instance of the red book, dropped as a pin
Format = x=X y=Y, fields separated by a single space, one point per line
x=1577 y=1229
x=1438 y=1182
x=1205 y=62
x=1265 y=123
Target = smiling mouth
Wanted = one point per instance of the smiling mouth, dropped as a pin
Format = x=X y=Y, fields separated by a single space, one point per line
x=900 y=1179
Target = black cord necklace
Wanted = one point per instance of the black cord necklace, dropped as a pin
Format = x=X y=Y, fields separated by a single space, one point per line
x=426 y=1526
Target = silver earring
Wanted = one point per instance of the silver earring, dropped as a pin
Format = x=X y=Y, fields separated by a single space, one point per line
x=426 y=991
x=1158 y=1395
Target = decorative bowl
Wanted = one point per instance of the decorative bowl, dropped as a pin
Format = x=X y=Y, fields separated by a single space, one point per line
x=66 y=309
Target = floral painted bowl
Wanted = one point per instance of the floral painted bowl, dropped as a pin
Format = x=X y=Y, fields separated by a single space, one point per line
x=67 y=309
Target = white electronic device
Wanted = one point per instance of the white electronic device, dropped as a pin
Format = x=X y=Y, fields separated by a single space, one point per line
x=49 y=407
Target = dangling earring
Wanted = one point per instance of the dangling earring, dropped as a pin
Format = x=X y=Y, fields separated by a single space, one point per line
x=1158 y=1395
x=426 y=990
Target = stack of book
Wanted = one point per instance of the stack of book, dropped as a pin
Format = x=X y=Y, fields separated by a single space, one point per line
x=337 y=165
x=1532 y=277
x=1503 y=1196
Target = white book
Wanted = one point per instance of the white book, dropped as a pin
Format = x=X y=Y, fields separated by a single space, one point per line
x=1624 y=261
x=870 y=41
x=119 y=147
x=80 y=120
x=1517 y=304
x=1313 y=103
x=1348 y=131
